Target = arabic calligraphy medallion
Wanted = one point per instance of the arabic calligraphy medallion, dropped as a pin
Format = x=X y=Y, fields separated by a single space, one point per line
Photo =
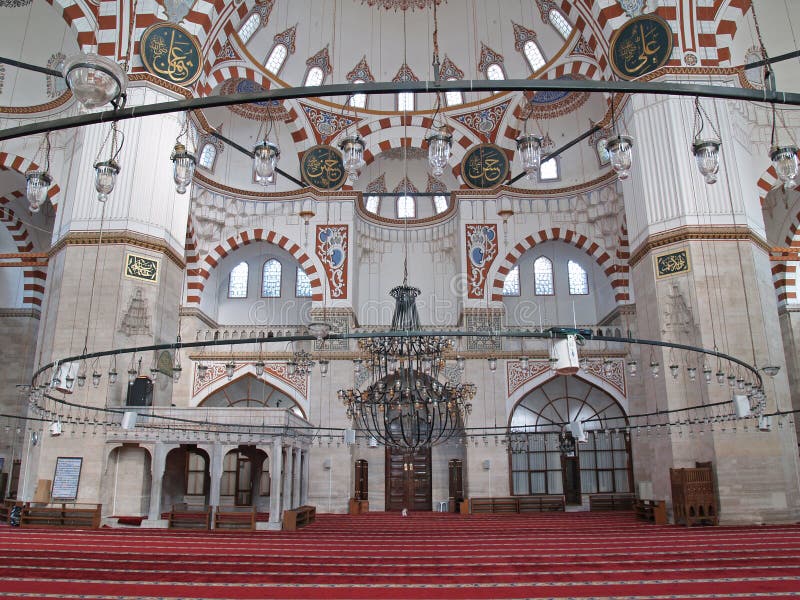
x=322 y=167
x=484 y=167
x=641 y=46
x=170 y=52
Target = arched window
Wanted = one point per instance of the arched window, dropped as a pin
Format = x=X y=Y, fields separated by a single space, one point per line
x=372 y=204
x=602 y=152
x=453 y=98
x=314 y=76
x=440 y=204
x=495 y=72
x=207 y=156
x=405 y=101
x=578 y=280
x=511 y=284
x=358 y=100
x=560 y=23
x=249 y=27
x=237 y=282
x=271 y=279
x=543 y=277
x=405 y=207
x=276 y=58
x=302 y=288
x=534 y=55
x=549 y=171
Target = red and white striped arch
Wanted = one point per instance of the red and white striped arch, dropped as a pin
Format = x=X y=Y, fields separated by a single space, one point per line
x=617 y=277
x=12 y=162
x=33 y=278
x=81 y=16
x=200 y=275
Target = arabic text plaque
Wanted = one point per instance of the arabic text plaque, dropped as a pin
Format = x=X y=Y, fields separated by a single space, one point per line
x=640 y=46
x=140 y=267
x=485 y=166
x=322 y=167
x=66 y=478
x=672 y=263
x=170 y=52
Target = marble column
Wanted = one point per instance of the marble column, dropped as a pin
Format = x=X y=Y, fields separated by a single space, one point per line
x=276 y=482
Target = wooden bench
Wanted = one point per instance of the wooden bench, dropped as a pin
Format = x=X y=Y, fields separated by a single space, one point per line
x=186 y=516
x=604 y=502
x=229 y=517
x=68 y=514
x=299 y=517
x=516 y=504
x=654 y=511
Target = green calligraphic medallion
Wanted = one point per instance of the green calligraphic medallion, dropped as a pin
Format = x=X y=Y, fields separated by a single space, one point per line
x=485 y=166
x=170 y=52
x=672 y=263
x=141 y=267
x=640 y=46
x=322 y=167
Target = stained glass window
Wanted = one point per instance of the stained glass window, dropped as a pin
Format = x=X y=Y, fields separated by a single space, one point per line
x=495 y=72
x=314 y=76
x=543 y=277
x=560 y=23
x=578 y=280
x=440 y=204
x=250 y=26
x=358 y=100
x=534 y=55
x=405 y=101
x=548 y=171
x=237 y=283
x=405 y=207
x=453 y=98
x=602 y=152
x=207 y=156
x=271 y=279
x=302 y=288
x=372 y=204
x=276 y=58
x=511 y=284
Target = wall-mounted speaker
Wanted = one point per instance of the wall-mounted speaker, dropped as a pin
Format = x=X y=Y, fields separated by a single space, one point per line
x=55 y=428
x=129 y=419
x=566 y=353
x=765 y=423
x=742 y=405
x=576 y=429
x=487 y=464
x=349 y=436
x=326 y=464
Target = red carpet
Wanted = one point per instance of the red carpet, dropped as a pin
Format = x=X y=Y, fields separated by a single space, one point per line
x=428 y=555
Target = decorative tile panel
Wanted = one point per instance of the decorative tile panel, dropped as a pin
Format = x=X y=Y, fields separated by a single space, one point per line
x=216 y=371
x=326 y=124
x=481 y=249
x=331 y=248
x=485 y=122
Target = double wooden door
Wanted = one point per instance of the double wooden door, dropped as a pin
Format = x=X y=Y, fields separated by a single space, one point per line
x=408 y=479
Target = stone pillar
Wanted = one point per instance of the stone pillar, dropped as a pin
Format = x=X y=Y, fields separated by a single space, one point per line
x=217 y=458
x=304 y=486
x=158 y=465
x=276 y=482
x=297 y=477
x=288 y=475
x=721 y=295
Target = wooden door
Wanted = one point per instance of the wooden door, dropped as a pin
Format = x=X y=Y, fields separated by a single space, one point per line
x=408 y=479
x=572 y=479
x=456 y=483
x=361 y=480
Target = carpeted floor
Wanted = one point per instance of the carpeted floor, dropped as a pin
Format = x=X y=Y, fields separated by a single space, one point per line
x=427 y=555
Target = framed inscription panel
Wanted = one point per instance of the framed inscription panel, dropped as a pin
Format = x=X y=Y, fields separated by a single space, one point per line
x=66 y=478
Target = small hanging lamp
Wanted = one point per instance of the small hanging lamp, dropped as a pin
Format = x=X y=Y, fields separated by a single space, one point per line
x=529 y=150
x=619 y=149
x=95 y=80
x=183 y=164
x=37 y=182
x=106 y=171
x=784 y=158
x=705 y=151
x=352 y=147
x=439 y=144
x=265 y=161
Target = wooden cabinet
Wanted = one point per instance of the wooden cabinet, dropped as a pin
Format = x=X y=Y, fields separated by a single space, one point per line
x=693 y=499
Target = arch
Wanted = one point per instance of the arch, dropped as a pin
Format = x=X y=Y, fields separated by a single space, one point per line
x=33 y=278
x=248 y=370
x=617 y=277
x=225 y=70
x=81 y=19
x=198 y=280
x=784 y=273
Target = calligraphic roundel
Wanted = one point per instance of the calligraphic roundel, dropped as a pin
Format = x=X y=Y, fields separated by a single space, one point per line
x=170 y=52
x=484 y=167
x=323 y=168
x=640 y=46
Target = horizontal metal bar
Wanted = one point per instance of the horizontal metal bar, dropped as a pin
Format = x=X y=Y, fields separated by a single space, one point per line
x=29 y=67
x=558 y=151
x=249 y=153
x=346 y=89
x=773 y=60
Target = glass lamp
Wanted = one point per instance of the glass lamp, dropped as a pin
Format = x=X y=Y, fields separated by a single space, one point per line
x=439 y=145
x=706 y=153
x=352 y=147
x=36 y=185
x=529 y=150
x=183 y=163
x=784 y=159
x=620 y=152
x=105 y=177
x=265 y=161
x=94 y=80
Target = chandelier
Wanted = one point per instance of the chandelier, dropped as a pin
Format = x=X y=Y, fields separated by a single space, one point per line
x=409 y=403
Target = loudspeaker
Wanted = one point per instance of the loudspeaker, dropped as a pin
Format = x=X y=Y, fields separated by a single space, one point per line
x=566 y=353
x=326 y=464
x=129 y=419
x=349 y=436
x=140 y=392
x=373 y=443
x=55 y=428
x=765 y=423
x=487 y=464
x=742 y=405
x=576 y=429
